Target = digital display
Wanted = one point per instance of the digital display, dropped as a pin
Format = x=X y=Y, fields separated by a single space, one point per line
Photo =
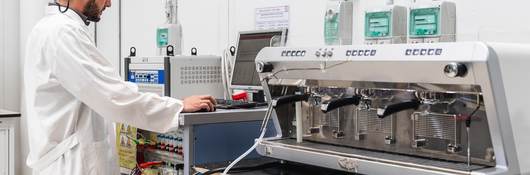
x=424 y=22
x=248 y=48
x=377 y=24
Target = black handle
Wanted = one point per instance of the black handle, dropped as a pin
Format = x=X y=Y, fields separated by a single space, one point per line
x=398 y=107
x=132 y=52
x=337 y=103
x=194 y=51
x=232 y=51
x=170 y=50
x=289 y=99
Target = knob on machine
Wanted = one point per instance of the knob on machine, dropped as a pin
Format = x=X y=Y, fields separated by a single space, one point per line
x=262 y=67
x=454 y=70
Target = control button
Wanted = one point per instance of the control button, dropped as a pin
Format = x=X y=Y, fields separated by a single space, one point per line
x=317 y=53
x=288 y=53
x=283 y=53
x=324 y=53
x=298 y=53
x=303 y=53
x=330 y=53
x=454 y=70
x=293 y=53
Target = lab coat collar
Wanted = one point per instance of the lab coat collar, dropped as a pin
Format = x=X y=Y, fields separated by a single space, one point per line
x=53 y=9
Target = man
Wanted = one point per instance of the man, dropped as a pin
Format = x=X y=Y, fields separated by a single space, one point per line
x=72 y=92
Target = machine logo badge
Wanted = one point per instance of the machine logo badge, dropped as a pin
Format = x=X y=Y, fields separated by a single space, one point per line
x=423 y=52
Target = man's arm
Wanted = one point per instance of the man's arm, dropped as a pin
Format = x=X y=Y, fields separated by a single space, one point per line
x=83 y=71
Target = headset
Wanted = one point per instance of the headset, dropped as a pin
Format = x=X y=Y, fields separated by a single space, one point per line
x=59 y=6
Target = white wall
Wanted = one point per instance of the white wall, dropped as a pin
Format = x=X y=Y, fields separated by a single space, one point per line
x=2 y=55
x=204 y=25
x=108 y=34
x=306 y=19
x=204 y=22
x=9 y=55
x=485 y=20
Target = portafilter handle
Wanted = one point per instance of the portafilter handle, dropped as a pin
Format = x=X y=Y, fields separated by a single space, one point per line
x=398 y=107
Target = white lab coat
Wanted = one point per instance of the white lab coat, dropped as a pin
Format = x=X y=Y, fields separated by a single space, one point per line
x=71 y=94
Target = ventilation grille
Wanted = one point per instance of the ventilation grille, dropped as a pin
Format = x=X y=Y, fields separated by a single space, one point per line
x=200 y=75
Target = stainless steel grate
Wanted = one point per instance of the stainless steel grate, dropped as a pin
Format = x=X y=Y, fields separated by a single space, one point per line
x=325 y=119
x=334 y=118
x=368 y=122
x=440 y=126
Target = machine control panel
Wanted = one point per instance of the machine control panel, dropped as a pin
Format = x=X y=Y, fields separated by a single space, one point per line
x=148 y=80
x=326 y=52
x=147 y=77
x=293 y=53
x=361 y=52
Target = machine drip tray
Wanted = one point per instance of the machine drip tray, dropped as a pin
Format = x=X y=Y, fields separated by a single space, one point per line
x=372 y=156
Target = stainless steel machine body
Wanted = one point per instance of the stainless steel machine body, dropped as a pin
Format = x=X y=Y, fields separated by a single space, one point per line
x=444 y=108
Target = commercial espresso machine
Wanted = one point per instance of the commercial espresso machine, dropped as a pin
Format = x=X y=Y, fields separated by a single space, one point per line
x=444 y=108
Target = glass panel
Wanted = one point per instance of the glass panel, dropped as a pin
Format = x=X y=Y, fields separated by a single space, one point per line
x=377 y=24
x=424 y=22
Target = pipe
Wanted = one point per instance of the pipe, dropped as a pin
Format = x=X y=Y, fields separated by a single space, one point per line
x=299 y=123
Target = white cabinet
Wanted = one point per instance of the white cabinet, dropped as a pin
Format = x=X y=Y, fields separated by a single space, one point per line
x=8 y=143
x=4 y=151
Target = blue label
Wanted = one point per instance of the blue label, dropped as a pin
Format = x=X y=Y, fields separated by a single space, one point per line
x=147 y=77
x=161 y=77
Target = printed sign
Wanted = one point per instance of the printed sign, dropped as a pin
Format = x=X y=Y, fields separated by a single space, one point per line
x=272 y=17
x=125 y=145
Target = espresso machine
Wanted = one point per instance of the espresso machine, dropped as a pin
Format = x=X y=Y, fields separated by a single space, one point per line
x=440 y=108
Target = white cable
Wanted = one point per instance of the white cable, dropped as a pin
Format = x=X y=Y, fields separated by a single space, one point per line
x=223 y=75
x=246 y=153
x=225 y=71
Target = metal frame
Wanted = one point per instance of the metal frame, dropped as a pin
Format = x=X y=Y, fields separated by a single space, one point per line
x=283 y=41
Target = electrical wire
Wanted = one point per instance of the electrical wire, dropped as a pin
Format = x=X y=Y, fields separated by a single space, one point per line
x=468 y=120
x=226 y=62
x=246 y=153
x=244 y=169
x=296 y=69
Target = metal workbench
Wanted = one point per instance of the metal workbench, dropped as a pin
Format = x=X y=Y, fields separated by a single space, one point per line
x=219 y=136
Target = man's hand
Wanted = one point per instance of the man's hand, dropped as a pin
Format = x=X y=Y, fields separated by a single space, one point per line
x=197 y=103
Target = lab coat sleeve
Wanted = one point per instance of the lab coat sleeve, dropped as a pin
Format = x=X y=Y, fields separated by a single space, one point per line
x=83 y=71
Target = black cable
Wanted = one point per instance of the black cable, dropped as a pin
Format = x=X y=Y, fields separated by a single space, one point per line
x=468 y=120
x=244 y=169
x=59 y=6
